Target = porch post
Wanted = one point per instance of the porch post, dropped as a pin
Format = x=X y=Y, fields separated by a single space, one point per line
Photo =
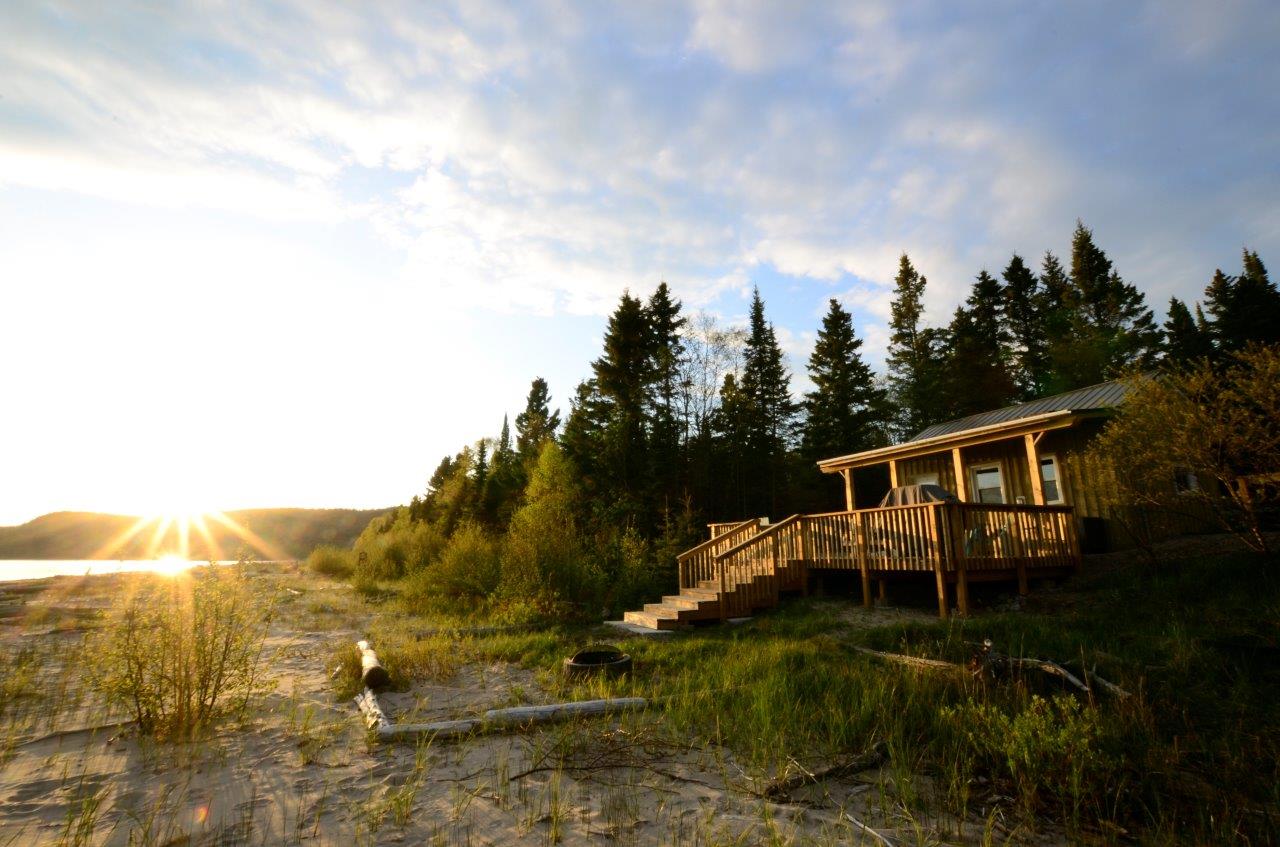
x=847 y=473
x=1033 y=465
x=893 y=473
x=962 y=489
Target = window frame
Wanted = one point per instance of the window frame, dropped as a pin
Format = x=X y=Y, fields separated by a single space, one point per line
x=998 y=467
x=1057 y=479
x=934 y=478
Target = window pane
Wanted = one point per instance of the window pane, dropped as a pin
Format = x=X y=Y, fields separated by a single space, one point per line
x=987 y=481
x=1049 y=473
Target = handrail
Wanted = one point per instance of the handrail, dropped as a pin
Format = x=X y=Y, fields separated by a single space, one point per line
x=738 y=527
x=765 y=533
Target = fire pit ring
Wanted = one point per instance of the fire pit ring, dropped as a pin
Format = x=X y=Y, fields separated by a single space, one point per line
x=597 y=660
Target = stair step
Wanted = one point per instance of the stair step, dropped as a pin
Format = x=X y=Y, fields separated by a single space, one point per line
x=684 y=601
x=698 y=594
x=650 y=621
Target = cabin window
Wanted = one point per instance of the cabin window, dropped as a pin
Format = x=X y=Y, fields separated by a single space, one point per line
x=925 y=479
x=1049 y=474
x=988 y=483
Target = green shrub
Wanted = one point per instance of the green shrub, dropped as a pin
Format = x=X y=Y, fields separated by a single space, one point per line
x=331 y=561
x=468 y=568
x=1050 y=749
x=544 y=556
x=181 y=652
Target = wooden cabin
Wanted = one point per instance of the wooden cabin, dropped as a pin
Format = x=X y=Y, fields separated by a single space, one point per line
x=1024 y=506
x=993 y=457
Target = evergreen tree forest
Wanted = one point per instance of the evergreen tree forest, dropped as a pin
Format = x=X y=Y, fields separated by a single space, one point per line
x=681 y=421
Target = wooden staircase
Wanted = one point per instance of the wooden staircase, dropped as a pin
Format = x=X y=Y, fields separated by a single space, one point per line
x=734 y=591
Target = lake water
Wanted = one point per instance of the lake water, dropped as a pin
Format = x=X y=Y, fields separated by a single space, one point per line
x=39 y=568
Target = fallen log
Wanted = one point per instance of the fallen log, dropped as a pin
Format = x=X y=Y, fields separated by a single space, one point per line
x=913 y=661
x=1110 y=687
x=780 y=789
x=492 y=720
x=372 y=673
x=374 y=717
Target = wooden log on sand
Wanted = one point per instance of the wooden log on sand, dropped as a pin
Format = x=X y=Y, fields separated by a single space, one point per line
x=372 y=673
x=494 y=719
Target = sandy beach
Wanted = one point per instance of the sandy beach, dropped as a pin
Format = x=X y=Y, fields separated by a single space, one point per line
x=301 y=769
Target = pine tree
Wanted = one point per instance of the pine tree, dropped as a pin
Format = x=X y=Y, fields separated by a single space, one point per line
x=1026 y=307
x=666 y=352
x=503 y=451
x=624 y=377
x=1110 y=326
x=1186 y=340
x=584 y=433
x=770 y=421
x=977 y=375
x=913 y=355
x=1244 y=309
x=847 y=411
x=730 y=423
x=537 y=424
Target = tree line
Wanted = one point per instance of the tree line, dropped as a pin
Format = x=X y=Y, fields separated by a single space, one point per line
x=682 y=420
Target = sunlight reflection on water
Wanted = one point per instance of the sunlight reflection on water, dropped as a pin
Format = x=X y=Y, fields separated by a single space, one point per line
x=11 y=569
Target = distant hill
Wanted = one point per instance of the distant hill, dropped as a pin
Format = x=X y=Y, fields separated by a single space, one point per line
x=266 y=534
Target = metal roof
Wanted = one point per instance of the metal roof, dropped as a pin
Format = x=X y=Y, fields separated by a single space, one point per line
x=1106 y=395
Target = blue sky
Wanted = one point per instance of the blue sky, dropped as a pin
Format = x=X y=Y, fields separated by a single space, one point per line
x=293 y=254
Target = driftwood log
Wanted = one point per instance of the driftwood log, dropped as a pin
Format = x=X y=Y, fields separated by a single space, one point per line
x=913 y=661
x=492 y=720
x=780 y=789
x=987 y=661
x=372 y=673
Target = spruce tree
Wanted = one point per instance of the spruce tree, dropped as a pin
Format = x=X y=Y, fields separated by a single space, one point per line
x=624 y=377
x=1026 y=307
x=1244 y=309
x=537 y=424
x=1110 y=327
x=584 y=434
x=847 y=411
x=731 y=467
x=1186 y=340
x=977 y=374
x=771 y=412
x=914 y=372
x=666 y=352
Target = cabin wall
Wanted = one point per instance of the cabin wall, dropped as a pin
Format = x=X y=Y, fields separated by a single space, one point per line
x=1081 y=489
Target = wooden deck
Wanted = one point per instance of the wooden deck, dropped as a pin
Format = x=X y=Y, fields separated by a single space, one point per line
x=745 y=566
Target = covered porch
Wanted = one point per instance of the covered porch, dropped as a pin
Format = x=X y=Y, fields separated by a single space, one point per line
x=951 y=544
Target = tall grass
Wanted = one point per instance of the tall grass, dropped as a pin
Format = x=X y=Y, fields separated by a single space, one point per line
x=1193 y=756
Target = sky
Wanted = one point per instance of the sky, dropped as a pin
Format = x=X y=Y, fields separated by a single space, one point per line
x=293 y=253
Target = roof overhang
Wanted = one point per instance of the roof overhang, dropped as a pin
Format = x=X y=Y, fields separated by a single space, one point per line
x=955 y=440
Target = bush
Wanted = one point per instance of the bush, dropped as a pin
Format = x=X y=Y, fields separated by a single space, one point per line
x=1049 y=749
x=394 y=546
x=1218 y=422
x=544 y=555
x=182 y=652
x=331 y=561
x=469 y=567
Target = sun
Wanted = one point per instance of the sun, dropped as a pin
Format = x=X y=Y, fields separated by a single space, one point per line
x=169 y=537
x=170 y=564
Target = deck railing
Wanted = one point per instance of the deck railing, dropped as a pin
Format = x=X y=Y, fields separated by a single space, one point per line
x=951 y=540
x=699 y=563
